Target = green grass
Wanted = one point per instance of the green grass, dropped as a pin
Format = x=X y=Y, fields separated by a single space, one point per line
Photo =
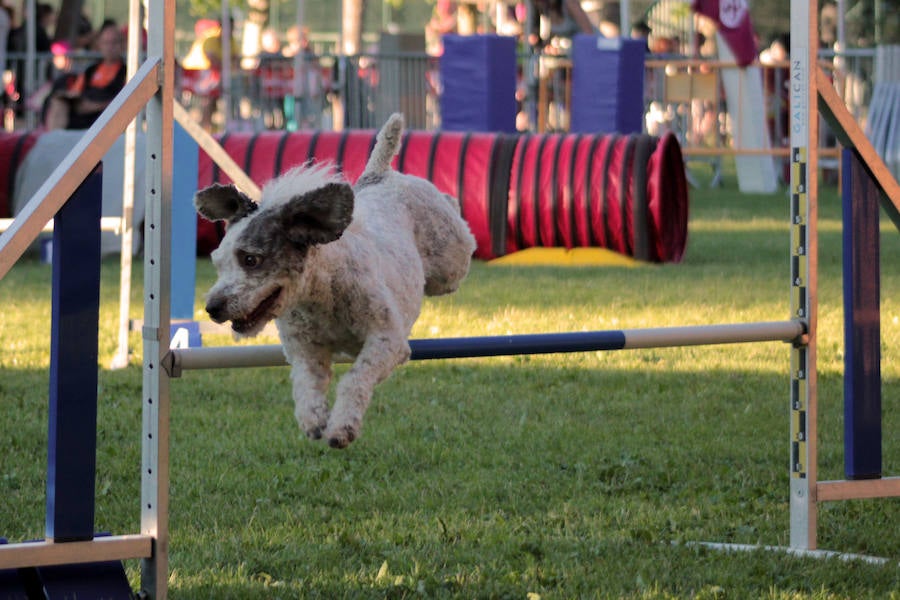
x=563 y=476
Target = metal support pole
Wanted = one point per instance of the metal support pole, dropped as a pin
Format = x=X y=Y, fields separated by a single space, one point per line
x=120 y=359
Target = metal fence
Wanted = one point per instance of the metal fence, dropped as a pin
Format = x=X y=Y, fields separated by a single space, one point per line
x=316 y=92
x=334 y=92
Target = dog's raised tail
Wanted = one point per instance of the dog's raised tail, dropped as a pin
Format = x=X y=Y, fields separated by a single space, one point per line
x=387 y=144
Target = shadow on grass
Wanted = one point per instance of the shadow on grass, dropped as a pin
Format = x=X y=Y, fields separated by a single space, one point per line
x=568 y=477
x=477 y=480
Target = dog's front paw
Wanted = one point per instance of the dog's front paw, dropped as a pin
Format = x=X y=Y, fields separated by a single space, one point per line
x=312 y=423
x=340 y=437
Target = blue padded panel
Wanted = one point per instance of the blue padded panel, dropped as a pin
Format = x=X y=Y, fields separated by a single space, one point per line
x=607 y=85
x=478 y=75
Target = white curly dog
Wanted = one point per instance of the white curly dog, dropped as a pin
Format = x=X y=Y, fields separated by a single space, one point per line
x=341 y=269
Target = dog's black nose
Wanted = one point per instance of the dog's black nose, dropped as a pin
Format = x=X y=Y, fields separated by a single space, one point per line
x=216 y=308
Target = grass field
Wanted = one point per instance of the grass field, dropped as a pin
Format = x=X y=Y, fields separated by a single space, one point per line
x=561 y=476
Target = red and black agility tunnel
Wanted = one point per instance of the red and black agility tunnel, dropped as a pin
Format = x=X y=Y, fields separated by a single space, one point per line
x=627 y=193
x=13 y=148
x=459 y=164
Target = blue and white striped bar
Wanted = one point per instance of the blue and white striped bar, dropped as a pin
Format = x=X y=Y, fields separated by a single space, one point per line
x=224 y=357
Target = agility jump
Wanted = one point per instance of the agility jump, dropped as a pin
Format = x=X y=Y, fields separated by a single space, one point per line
x=153 y=86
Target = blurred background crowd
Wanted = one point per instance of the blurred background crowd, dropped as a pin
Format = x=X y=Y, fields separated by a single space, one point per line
x=292 y=64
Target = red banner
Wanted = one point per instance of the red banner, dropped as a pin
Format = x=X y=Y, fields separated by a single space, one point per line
x=733 y=19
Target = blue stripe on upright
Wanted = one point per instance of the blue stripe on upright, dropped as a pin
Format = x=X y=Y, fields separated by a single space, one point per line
x=542 y=343
x=862 y=322
x=184 y=225
x=72 y=445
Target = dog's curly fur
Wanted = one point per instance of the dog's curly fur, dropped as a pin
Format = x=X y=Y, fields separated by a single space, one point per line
x=341 y=269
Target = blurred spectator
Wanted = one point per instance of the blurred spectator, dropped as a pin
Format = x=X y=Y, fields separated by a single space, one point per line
x=46 y=18
x=641 y=30
x=202 y=73
x=665 y=45
x=212 y=45
x=85 y=37
x=305 y=94
x=275 y=76
x=5 y=26
x=269 y=44
x=196 y=59
x=17 y=43
x=442 y=22
x=62 y=59
x=297 y=41
x=77 y=101
x=61 y=68
x=142 y=31
x=776 y=85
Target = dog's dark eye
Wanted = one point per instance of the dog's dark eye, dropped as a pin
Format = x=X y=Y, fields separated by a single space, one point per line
x=249 y=261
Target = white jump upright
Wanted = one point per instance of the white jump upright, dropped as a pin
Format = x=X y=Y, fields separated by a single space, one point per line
x=804 y=271
x=157 y=283
x=810 y=90
x=42 y=207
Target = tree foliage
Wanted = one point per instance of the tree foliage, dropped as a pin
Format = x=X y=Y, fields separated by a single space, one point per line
x=206 y=8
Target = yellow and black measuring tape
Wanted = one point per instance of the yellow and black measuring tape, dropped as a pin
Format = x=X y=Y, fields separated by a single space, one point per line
x=799 y=309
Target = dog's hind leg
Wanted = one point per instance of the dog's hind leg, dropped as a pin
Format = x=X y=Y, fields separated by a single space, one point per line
x=311 y=376
x=381 y=354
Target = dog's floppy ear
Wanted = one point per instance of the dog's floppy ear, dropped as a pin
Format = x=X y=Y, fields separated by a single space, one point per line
x=223 y=203
x=319 y=216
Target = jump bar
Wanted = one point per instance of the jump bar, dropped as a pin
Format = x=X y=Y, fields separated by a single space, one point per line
x=223 y=357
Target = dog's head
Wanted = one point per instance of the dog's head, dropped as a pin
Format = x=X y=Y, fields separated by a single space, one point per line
x=266 y=246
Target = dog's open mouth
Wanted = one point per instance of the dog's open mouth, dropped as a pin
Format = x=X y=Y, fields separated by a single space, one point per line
x=262 y=313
